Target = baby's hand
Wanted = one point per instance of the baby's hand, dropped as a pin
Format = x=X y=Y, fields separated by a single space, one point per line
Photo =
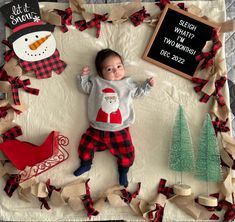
x=151 y=81
x=86 y=70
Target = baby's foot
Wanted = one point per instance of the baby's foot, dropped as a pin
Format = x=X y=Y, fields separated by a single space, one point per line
x=123 y=179
x=81 y=170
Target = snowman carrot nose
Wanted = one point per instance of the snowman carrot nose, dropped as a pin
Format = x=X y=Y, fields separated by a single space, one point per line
x=36 y=44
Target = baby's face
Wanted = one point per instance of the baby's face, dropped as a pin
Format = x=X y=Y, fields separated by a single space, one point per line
x=113 y=69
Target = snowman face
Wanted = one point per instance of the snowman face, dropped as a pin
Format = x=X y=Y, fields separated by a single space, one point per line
x=35 y=46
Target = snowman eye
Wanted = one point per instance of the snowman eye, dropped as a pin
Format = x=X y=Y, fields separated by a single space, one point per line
x=36 y=36
x=26 y=39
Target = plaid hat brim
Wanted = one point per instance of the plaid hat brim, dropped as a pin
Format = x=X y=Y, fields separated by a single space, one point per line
x=16 y=35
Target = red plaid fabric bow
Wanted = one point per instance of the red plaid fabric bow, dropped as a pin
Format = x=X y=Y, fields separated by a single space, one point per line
x=218 y=86
x=66 y=18
x=3 y=111
x=16 y=83
x=163 y=3
x=12 y=184
x=12 y=133
x=167 y=191
x=9 y=53
x=220 y=126
x=88 y=203
x=95 y=22
x=138 y=17
x=43 y=68
x=208 y=56
x=127 y=196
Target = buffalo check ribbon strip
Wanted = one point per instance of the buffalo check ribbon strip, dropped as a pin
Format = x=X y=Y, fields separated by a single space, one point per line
x=4 y=109
x=157 y=213
x=128 y=196
x=167 y=191
x=9 y=53
x=138 y=17
x=3 y=112
x=12 y=184
x=95 y=22
x=163 y=3
x=12 y=133
x=88 y=203
x=220 y=126
x=207 y=57
x=66 y=18
x=217 y=94
x=16 y=83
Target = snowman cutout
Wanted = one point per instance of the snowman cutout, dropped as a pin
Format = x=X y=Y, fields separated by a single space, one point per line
x=35 y=46
x=32 y=40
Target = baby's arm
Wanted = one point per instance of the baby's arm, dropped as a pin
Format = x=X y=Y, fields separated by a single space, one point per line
x=144 y=88
x=84 y=81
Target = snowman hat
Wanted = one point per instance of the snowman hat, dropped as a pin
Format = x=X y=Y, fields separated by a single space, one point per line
x=109 y=92
x=23 y=17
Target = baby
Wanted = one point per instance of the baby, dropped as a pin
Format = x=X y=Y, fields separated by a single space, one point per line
x=110 y=112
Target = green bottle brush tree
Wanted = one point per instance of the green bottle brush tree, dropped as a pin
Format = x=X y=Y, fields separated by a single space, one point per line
x=181 y=151
x=208 y=165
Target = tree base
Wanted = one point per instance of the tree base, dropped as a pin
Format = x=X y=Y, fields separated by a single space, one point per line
x=207 y=201
x=182 y=189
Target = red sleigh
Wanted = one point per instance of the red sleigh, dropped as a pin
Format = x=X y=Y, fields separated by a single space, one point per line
x=33 y=160
x=49 y=163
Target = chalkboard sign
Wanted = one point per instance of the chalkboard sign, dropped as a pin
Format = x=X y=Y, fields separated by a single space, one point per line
x=179 y=36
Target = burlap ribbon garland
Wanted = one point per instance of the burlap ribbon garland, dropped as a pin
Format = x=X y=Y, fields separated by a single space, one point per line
x=113 y=195
x=118 y=13
x=50 y=16
x=73 y=193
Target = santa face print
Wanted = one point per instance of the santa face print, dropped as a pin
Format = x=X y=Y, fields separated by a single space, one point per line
x=110 y=103
x=113 y=69
x=35 y=46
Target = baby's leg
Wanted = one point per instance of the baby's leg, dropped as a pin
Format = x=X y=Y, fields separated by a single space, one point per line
x=123 y=149
x=89 y=143
x=123 y=180
x=81 y=170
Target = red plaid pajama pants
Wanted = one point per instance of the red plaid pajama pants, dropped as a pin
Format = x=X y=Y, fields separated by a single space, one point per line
x=118 y=143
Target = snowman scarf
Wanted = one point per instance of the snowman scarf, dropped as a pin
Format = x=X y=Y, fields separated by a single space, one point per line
x=43 y=68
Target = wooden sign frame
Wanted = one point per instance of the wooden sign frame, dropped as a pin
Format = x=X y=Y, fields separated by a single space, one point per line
x=151 y=43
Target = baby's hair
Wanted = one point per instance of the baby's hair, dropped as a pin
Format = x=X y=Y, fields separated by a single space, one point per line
x=101 y=56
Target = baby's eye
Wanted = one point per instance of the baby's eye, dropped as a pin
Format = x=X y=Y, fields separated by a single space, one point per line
x=109 y=69
x=120 y=66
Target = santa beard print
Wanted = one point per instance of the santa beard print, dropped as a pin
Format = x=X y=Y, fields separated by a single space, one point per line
x=110 y=104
